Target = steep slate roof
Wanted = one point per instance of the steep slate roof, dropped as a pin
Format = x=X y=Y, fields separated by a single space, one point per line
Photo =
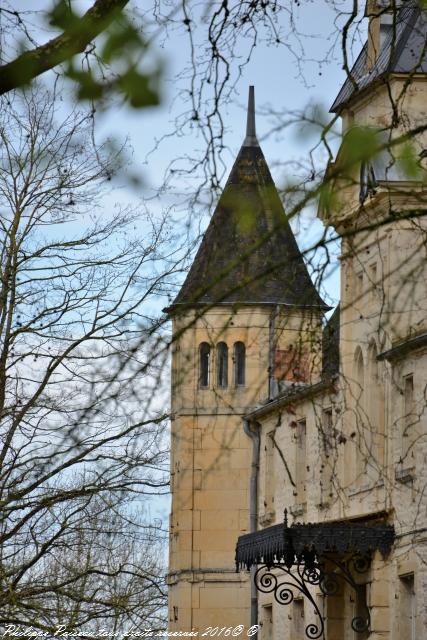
x=249 y=254
x=403 y=51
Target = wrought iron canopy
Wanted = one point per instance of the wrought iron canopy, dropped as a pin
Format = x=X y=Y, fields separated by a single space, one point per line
x=281 y=544
x=292 y=560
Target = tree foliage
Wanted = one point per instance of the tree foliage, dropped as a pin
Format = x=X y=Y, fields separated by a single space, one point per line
x=82 y=436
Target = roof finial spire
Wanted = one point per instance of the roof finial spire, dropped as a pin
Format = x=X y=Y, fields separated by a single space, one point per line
x=251 y=139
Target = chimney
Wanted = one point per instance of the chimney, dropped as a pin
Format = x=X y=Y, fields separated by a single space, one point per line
x=382 y=14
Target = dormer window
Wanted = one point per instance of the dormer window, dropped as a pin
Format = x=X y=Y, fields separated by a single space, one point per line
x=383 y=21
x=368 y=182
x=384 y=166
x=222 y=364
x=204 y=365
x=239 y=364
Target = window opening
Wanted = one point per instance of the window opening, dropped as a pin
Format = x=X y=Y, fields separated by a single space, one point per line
x=407 y=608
x=269 y=475
x=267 y=622
x=239 y=364
x=301 y=459
x=359 y=286
x=327 y=466
x=327 y=430
x=360 y=607
x=359 y=406
x=373 y=280
x=204 y=357
x=298 y=617
x=407 y=433
x=222 y=364
x=409 y=401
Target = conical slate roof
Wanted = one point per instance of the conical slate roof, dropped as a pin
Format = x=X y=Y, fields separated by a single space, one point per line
x=249 y=254
x=403 y=51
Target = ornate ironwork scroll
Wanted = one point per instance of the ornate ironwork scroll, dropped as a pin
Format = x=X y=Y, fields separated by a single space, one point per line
x=283 y=590
x=283 y=581
x=291 y=560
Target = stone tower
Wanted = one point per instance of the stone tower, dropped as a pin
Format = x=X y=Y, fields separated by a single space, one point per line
x=246 y=321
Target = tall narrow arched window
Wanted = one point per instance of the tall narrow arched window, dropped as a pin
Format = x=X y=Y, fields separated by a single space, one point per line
x=222 y=364
x=361 y=430
x=376 y=406
x=239 y=364
x=359 y=376
x=204 y=364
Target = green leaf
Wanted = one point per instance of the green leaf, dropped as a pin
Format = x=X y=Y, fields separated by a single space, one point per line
x=122 y=37
x=88 y=87
x=327 y=198
x=408 y=160
x=139 y=88
x=359 y=144
x=62 y=16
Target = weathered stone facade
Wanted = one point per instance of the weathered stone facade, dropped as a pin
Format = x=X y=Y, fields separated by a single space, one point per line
x=344 y=439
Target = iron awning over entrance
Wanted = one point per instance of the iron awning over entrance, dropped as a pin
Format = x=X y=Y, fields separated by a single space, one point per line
x=281 y=543
x=291 y=561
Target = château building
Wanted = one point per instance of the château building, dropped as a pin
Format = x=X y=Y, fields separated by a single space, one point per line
x=282 y=405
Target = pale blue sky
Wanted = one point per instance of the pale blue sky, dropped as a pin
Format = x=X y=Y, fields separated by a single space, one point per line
x=274 y=72
x=273 y=69
x=306 y=68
